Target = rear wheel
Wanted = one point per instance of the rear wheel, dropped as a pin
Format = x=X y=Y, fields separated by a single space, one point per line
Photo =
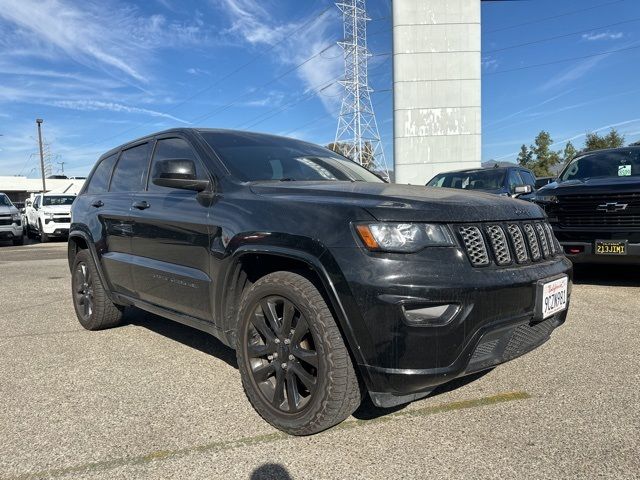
x=93 y=308
x=295 y=368
x=18 y=240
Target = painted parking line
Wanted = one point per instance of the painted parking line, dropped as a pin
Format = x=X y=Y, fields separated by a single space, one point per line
x=225 y=445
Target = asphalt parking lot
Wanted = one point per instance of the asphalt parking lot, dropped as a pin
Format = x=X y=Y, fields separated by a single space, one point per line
x=155 y=399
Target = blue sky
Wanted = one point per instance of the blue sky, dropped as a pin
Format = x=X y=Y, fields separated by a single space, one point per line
x=104 y=72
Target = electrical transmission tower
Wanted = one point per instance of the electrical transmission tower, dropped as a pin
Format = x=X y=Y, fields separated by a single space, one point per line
x=357 y=136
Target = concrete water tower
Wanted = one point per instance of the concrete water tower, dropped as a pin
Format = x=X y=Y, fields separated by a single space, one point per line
x=436 y=87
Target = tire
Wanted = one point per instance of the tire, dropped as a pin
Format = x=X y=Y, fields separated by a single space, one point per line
x=44 y=238
x=30 y=235
x=92 y=305
x=298 y=348
x=18 y=240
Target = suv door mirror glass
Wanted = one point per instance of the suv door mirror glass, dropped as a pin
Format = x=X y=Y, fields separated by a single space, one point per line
x=522 y=189
x=178 y=173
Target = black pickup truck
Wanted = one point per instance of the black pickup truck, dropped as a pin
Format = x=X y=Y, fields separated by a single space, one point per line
x=594 y=206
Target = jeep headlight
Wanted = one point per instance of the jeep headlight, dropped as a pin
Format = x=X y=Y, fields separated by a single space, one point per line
x=403 y=237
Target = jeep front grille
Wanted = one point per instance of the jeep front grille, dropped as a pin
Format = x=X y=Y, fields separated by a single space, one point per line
x=502 y=244
x=475 y=246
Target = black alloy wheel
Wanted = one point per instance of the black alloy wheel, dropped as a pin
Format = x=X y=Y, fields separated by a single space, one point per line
x=282 y=355
x=83 y=291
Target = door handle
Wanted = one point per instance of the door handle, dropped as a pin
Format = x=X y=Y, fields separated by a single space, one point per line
x=98 y=204
x=143 y=205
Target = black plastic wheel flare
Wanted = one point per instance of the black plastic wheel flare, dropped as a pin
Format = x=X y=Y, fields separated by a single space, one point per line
x=83 y=289
x=282 y=354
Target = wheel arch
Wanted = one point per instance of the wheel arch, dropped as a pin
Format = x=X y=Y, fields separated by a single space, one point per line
x=79 y=240
x=272 y=259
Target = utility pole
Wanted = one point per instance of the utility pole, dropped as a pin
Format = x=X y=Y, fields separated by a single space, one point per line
x=357 y=127
x=61 y=166
x=44 y=184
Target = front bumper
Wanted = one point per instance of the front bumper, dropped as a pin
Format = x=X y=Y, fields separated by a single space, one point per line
x=579 y=246
x=56 y=228
x=8 y=232
x=401 y=361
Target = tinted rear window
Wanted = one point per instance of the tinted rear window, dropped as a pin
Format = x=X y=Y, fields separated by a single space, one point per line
x=130 y=170
x=254 y=157
x=100 y=179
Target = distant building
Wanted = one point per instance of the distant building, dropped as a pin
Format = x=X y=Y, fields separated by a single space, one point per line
x=18 y=189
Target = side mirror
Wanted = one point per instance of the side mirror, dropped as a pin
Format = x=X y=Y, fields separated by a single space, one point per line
x=522 y=189
x=178 y=173
x=27 y=203
x=23 y=210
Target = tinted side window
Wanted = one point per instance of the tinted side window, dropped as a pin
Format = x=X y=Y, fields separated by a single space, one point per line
x=130 y=170
x=514 y=179
x=528 y=178
x=99 y=181
x=175 y=148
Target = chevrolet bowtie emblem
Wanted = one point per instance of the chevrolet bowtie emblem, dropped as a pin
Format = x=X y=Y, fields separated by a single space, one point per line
x=612 y=207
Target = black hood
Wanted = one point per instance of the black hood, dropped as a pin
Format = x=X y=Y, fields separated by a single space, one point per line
x=393 y=202
x=592 y=186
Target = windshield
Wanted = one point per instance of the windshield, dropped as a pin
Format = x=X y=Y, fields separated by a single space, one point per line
x=616 y=163
x=253 y=157
x=474 y=180
x=59 y=200
x=4 y=201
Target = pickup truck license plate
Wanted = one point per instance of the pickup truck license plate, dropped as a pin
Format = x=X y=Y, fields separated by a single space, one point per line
x=554 y=297
x=609 y=247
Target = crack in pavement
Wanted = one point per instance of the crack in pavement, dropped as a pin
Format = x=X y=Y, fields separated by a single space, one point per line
x=224 y=445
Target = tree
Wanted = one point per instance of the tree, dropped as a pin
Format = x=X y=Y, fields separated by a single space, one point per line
x=525 y=156
x=597 y=142
x=570 y=152
x=342 y=148
x=366 y=158
x=545 y=158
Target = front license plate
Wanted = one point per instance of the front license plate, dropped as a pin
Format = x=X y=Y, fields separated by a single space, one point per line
x=610 y=247
x=553 y=297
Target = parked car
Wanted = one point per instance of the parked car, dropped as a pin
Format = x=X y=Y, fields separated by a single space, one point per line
x=48 y=216
x=508 y=181
x=542 y=181
x=327 y=281
x=594 y=206
x=10 y=221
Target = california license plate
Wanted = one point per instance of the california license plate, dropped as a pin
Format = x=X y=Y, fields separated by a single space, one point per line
x=552 y=297
x=611 y=247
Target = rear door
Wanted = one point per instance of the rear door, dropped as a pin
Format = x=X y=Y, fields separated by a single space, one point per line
x=171 y=239
x=114 y=211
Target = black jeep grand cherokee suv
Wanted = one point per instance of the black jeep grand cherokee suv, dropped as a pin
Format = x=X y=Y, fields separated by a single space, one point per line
x=594 y=206
x=327 y=281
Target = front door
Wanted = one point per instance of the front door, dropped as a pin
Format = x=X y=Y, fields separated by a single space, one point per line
x=171 y=240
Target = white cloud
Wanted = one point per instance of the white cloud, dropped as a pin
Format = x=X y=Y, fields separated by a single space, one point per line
x=293 y=43
x=106 y=36
x=94 y=105
x=602 y=36
x=572 y=74
x=489 y=64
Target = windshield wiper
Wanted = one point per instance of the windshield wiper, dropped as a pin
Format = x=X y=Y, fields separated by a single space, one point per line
x=287 y=179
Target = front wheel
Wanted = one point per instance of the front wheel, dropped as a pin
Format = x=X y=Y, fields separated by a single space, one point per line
x=295 y=368
x=44 y=238
x=18 y=240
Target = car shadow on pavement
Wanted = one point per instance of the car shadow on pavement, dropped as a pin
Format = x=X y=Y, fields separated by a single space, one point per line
x=606 y=275
x=178 y=332
x=270 y=471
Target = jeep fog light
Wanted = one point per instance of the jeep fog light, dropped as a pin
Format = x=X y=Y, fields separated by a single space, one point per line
x=433 y=316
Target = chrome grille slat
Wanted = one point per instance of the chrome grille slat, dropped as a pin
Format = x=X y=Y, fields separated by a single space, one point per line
x=532 y=240
x=543 y=240
x=474 y=245
x=498 y=241
x=517 y=239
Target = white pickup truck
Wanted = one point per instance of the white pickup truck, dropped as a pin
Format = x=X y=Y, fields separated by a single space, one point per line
x=10 y=221
x=48 y=215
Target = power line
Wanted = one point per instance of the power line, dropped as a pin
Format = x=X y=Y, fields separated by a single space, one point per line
x=548 y=39
x=544 y=19
x=564 y=60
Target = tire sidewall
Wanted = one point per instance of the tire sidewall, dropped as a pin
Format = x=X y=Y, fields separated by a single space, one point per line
x=312 y=313
x=83 y=257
